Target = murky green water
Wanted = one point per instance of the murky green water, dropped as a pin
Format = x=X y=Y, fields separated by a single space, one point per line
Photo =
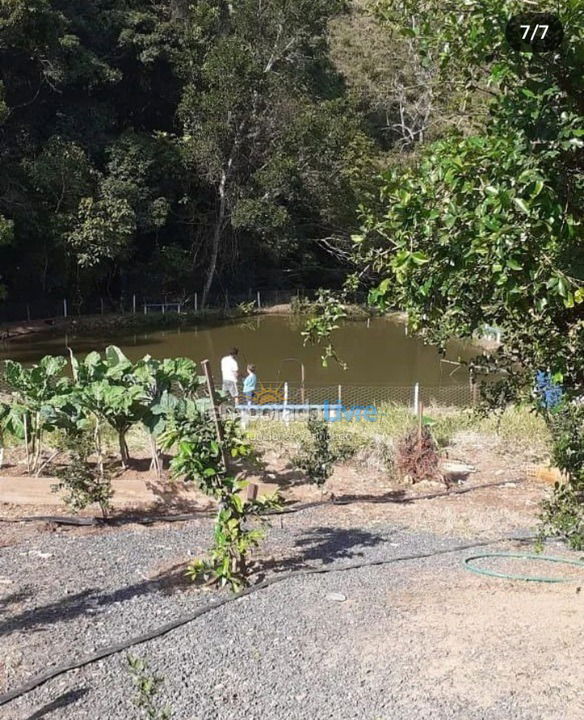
x=378 y=352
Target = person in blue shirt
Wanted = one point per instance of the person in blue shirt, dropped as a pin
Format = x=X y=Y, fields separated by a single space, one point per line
x=249 y=384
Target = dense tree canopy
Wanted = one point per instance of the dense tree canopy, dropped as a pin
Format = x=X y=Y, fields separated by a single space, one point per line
x=202 y=145
x=486 y=226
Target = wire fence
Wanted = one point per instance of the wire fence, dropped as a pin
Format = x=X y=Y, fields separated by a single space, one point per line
x=348 y=395
x=51 y=307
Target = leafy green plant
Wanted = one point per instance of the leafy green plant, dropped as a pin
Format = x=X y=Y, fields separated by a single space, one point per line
x=233 y=538
x=566 y=423
x=563 y=516
x=246 y=308
x=32 y=410
x=108 y=389
x=200 y=458
x=164 y=382
x=326 y=313
x=563 y=512
x=148 y=687
x=83 y=482
x=316 y=457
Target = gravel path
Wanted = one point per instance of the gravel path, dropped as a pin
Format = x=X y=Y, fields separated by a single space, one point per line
x=287 y=652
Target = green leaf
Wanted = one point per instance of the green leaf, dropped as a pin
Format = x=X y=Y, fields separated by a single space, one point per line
x=115 y=356
x=420 y=258
x=522 y=205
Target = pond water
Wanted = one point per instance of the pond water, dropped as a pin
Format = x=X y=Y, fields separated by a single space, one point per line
x=377 y=352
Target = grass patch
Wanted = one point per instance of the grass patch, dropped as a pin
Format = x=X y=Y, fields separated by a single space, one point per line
x=515 y=429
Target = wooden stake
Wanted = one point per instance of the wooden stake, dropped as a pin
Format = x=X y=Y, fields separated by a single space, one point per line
x=420 y=421
x=25 y=423
x=215 y=410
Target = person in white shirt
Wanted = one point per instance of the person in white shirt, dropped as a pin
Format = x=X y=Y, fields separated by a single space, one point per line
x=230 y=373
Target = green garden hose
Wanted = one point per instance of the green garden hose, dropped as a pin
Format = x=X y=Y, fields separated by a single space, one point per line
x=522 y=556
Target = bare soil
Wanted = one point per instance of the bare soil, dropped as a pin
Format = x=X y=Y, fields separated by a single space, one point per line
x=361 y=494
x=484 y=639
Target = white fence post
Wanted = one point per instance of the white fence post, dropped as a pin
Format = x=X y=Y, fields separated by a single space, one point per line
x=286 y=415
x=416 y=397
x=196 y=302
x=259 y=300
x=64 y=307
x=134 y=304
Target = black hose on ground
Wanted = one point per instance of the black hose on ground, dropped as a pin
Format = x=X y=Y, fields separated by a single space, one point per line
x=152 y=519
x=105 y=652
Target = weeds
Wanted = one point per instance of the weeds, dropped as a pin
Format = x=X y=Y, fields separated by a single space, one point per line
x=147 y=686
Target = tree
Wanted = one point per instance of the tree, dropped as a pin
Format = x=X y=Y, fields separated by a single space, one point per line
x=487 y=228
x=187 y=141
x=263 y=124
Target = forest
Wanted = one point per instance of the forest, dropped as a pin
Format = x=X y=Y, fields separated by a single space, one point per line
x=206 y=146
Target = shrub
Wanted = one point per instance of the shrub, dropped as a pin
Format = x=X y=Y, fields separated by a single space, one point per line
x=84 y=482
x=32 y=410
x=246 y=308
x=563 y=513
x=567 y=427
x=200 y=458
x=563 y=516
x=316 y=457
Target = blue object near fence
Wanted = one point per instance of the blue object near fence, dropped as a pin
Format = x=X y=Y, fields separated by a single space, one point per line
x=279 y=407
x=550 y=393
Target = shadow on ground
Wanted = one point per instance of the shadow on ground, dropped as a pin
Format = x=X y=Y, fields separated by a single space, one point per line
x=389 y=497
x=320 y=545
x=323 y=544
x=15 y=599
x=88 y=602
x=63 y=701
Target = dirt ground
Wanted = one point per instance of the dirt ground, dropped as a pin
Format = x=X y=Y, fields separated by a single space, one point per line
x=507 y=495
x=520 y=640
x=443 y=639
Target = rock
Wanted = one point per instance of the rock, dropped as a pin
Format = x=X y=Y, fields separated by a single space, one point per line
x=456 y=471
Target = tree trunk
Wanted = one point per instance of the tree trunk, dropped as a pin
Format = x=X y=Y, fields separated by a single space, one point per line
x=216 y=238
x=156 y=463
x=124 y=451
x=98 y=448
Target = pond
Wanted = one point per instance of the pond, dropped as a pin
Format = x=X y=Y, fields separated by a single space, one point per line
x=378 y=352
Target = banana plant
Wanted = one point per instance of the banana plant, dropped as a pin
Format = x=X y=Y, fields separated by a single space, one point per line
x=165 y=383
x=108 y=389
x=33 y=408
x=10 y=424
